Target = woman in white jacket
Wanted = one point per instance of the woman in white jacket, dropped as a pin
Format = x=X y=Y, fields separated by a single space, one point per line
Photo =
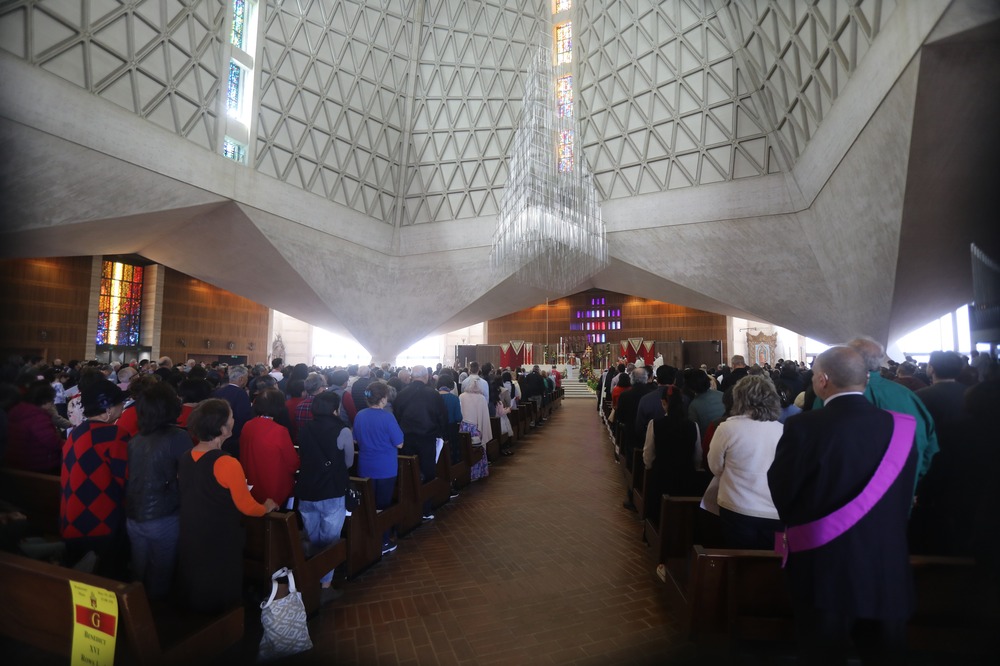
x=740 y=454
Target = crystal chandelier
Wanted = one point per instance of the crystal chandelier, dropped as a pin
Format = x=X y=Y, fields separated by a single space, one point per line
x=550 y=234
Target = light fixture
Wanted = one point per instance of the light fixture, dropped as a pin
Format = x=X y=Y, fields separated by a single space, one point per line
x=550 y=234
x=231 y=345
x=250 y=345
x=208 y=344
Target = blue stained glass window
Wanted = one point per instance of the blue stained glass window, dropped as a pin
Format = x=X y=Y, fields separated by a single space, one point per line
x=564 y=43
x=234 y=151
x=235 y=88
x=564 y=97
x=240 y=16
x=565 y=151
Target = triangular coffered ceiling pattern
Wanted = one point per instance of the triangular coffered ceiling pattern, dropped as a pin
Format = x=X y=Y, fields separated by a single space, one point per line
x=159 y=60
x=404 y=110
x=800 y=55
x=469 y=69
x=332 y=99
x=665 y=104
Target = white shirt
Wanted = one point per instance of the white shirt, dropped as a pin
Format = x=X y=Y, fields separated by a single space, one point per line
x=740 y=454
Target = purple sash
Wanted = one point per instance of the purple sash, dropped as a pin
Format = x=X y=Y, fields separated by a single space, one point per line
x=821 y=532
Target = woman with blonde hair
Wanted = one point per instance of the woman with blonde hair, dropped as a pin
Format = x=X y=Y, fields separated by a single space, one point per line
x=740 y=454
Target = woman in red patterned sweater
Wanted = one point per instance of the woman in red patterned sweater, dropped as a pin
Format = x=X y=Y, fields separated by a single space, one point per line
x=94 y=470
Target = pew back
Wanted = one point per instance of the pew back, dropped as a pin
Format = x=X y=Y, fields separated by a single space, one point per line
x=37 y=611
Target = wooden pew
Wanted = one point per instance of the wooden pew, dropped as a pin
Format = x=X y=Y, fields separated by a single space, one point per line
x=638 y=484
x=958 y=609
x=277 y=540
x=683 y=523
x=532 y=412
x=738 y=594
x=742 y=595
x=37 y=610
x=36 y=495
x=361 y=530
x=438 y=491
x=521 y=424
x=410 y=511
x=460 y=473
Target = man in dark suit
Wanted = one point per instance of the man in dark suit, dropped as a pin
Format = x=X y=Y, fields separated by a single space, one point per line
x=235 y=393
x=423 y=417
x=859 y=584
x=625 y=416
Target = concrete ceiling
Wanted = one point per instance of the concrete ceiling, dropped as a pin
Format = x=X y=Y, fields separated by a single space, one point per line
x=864 y=230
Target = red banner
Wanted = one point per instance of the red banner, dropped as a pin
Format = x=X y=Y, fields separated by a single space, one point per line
x=95 y=619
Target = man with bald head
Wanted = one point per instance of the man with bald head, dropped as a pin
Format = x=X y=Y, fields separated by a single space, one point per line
x=423 y=417
x=858 y=584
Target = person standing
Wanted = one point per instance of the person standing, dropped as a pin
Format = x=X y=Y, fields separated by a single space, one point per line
x=859 y=584
x=423 y=418
x=153 y=498
x=94 y=469
x=214 y=494
x=235 y=393
x=326 y=447
x=266 y=451
x=379 y=440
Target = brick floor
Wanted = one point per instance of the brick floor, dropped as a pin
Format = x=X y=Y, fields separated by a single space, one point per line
x=538 y=564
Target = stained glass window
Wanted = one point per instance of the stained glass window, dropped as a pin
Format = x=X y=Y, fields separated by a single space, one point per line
x=561 y=6
x=235 y=90
x=565 y=151
x=120 y=304
x=564 y=96
x=234 y=150
x=564 y=43
x=241 y=13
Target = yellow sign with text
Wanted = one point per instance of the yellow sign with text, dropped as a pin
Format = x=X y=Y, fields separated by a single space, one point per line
x=95 y=625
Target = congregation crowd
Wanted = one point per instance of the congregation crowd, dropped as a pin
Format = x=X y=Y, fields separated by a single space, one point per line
x=158 y=462
x=846 y=468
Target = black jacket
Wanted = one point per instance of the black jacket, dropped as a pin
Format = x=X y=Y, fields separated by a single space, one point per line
x=323 y=469
x=152 y=490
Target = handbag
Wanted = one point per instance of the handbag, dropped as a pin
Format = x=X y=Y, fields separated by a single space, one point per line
x=286 y=631
x=797 y=538
x=470 y=428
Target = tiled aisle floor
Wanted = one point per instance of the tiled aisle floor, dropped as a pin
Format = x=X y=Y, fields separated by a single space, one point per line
x=538 y=564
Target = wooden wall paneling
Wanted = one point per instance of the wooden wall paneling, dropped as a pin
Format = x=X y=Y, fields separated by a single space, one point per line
x=195 y=311
x=45 y=304
x=641 y=318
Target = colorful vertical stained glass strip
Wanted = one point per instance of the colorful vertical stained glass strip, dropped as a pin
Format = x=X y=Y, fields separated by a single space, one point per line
x=564 y=96
x=564 y=43
x=120 y=304
x=565 y=151
x=561 y=6
x=235 y=88
x=235 y=151
x=240 y=16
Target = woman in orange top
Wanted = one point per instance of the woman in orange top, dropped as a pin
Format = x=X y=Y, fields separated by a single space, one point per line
x=213 y=496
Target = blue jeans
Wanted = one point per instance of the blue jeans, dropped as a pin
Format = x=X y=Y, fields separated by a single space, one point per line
x=154 y=552
x=323 y=521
